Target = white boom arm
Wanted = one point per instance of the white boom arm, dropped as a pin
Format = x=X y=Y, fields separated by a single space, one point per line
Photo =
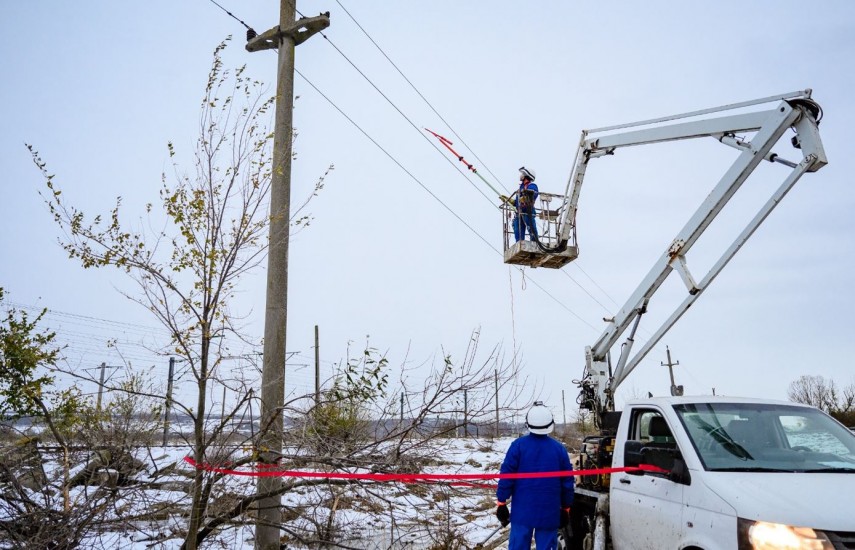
x=795 y=110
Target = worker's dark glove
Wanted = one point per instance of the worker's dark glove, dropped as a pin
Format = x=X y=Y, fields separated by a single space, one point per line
x=503 y=514
x=565 y=517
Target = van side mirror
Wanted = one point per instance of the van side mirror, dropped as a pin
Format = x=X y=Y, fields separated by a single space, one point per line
x=669 y=460
x=679 y=472
x=659 y=457
x=632 y=455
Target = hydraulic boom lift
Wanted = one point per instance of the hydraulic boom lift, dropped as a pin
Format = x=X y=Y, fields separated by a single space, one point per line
x=794 y=110
x=558 y=245
x=753 y=128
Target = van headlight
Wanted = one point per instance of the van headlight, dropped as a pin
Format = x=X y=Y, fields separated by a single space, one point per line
x=762 y=535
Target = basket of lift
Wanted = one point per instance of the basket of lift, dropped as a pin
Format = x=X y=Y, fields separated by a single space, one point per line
x=544 y=252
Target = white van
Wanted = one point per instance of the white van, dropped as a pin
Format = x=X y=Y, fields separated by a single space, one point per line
x=741 y=474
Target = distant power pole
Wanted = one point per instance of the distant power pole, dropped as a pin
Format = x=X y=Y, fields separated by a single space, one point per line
x=675 y=389
x=104 y=366
x=100 y=387
x=317 y=368
x=563 y=414
x=168 y=400
x=284 y=37
x=496 y=379
x=465 y=413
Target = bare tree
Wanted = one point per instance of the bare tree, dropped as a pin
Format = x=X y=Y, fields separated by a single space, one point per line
x=42 y=504
x=187 y=273
x=814 y=390
x=358 y=424
x=824 y=394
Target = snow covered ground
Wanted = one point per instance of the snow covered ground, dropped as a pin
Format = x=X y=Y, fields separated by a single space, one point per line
x=373 y=515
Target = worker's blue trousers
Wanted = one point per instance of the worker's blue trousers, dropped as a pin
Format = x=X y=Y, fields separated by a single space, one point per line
x=521 y=222
x=520 y=538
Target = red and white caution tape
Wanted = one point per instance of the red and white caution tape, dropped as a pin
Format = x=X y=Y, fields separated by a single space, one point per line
x=271 y=470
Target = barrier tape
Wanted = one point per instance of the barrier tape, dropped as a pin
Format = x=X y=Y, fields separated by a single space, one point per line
x=462 y=479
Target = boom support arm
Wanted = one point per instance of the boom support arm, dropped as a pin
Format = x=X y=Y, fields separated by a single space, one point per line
x=796 y=111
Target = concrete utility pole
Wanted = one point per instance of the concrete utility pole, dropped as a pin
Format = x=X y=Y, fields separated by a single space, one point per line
x=563 y=414
x=465 y=413
x=103 y=367
x=317 y=368
x=675 y=389
x=168 y=400
x=496 y=380
x=100 y=387
x=284 y=37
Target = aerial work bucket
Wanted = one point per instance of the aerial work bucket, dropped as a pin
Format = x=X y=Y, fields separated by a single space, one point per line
x=542 y=250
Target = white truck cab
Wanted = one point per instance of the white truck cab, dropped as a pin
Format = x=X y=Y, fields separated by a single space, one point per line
x=741 y=474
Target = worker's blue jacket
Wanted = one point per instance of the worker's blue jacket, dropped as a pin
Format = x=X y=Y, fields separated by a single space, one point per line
x=536 y=502
x=531 y=191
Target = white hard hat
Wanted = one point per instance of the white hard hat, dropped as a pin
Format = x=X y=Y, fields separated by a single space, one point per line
x=539 y=419
x=528 y=172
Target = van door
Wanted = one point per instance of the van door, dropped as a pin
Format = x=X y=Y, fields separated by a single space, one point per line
x=646 y=510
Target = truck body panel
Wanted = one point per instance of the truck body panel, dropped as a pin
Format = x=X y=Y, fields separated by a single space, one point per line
x=651 y=511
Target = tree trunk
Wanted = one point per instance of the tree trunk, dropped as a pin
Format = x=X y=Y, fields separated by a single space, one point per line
x=198 y=506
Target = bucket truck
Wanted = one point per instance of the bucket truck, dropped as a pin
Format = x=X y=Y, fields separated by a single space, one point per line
x=737 y=473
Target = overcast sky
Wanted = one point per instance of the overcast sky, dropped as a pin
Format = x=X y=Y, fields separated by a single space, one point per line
x=100 y=87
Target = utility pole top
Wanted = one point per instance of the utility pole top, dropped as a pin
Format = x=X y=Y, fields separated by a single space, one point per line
x=675 y=389
x=299 y=31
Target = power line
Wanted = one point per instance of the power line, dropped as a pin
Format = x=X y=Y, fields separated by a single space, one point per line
x=401 y=166
x=413 y=86
x=423 y=186
x=411 y=123
x=379 y=146
x=584 y=290
x=232 y=15
x=438 y=114
x=579 y=267
x=459 y=218
x=97 y=320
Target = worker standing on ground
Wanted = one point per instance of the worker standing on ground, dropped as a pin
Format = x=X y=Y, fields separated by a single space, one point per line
x=540 y=505
x=526 y=195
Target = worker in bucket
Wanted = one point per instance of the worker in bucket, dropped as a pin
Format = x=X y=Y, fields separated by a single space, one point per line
x=524 y=203
x=540 y=505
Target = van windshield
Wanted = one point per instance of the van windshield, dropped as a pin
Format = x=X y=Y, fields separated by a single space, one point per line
x=767 y=437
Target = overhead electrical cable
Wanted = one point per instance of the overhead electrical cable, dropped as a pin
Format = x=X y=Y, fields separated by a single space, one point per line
x=445 y=157
x=250 y=30
x=232 y=15
x=431 y=193
x=579 y=267
x=413 y=86
x=448 y=145
x=96 y=320
x=411 y=123
x=446 y=142
x=415 y=127
x=401 y=166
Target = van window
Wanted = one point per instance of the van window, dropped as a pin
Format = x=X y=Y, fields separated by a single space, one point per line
x=768 y=437
x=649 y=426
x=802 y=432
